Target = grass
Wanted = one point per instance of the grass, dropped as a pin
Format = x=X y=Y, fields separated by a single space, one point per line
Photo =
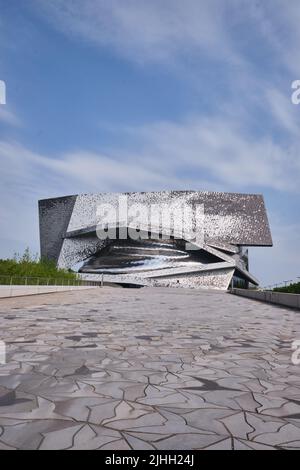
x=31 y=267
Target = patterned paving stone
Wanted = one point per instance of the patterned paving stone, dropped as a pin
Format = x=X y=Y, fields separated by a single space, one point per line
x=148 y=369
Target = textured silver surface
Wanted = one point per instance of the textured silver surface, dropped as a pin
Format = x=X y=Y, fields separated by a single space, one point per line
x=54 y=215
x=238 y=219
x=68 y=232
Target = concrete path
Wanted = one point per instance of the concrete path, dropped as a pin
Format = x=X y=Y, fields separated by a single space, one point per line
x=148 y=369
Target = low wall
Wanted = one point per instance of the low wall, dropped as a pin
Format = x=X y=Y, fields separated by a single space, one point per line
x=18 y=291
x=277 y=298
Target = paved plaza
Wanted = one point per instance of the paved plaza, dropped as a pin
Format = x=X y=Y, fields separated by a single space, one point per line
x=151 y=368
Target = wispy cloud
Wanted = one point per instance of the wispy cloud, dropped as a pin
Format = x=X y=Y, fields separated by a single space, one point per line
x=252 y=46
x=285 y=115
x=9 y=117
x=162 y=155
x=142 y=30
x=278 y=23
x=222 y=148
x=147 y=31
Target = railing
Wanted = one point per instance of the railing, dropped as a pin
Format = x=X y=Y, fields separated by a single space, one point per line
x=282 y=284
x=13 y=283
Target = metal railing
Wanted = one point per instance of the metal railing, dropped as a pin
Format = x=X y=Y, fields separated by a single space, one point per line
x=55 y=283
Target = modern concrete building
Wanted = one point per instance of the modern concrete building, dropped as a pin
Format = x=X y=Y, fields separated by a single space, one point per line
x=170 y=238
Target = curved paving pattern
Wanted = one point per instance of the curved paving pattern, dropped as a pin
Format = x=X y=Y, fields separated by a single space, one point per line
x=148 y=369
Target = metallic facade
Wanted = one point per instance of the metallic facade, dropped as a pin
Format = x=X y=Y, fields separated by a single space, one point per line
x=230 y=223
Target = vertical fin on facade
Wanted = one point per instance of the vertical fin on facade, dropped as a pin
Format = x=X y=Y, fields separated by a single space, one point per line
x=55 y=215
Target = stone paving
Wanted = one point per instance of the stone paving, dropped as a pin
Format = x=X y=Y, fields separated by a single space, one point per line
x=149 y=368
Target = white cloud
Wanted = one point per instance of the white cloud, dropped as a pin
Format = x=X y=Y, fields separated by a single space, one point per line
x=157 y=30
x=145 y=30
x=182 y=33
x=78 y=171
x=220 y=147
x=278 y=22
x=283 y=111
x=163 y=155
x=9 y=117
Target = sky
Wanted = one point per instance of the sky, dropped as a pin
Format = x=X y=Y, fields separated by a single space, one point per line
x=140 y=95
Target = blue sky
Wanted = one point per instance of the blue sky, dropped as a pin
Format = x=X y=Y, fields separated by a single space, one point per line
x=120 y=95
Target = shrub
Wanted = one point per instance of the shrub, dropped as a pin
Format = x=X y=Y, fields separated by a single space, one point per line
x=30 y=266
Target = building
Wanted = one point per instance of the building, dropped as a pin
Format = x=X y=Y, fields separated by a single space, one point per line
x=172 y=238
